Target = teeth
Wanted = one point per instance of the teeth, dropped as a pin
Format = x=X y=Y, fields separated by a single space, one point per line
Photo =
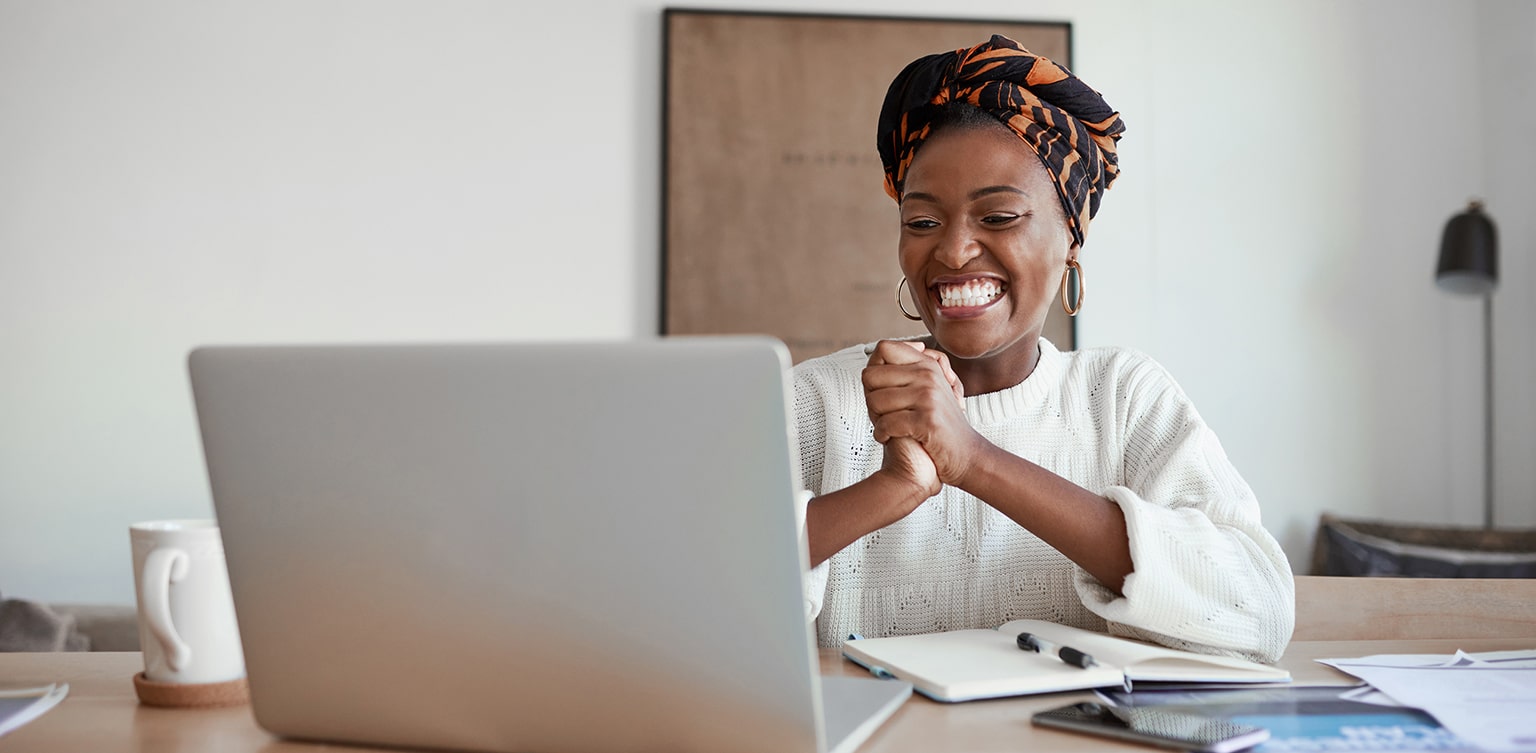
x=972 y=293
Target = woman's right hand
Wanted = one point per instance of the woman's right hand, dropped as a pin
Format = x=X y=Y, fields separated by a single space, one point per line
x=905 y=459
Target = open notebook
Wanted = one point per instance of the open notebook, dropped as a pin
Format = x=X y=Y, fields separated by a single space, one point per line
x=965 y=665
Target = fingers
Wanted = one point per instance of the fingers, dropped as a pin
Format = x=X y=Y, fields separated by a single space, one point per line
x=949 y=375
x=906 y=352
x=921 y=370
x=885 y=402
x=902 y=424
x=907 y=388
x=896 y=352
x=912 y=409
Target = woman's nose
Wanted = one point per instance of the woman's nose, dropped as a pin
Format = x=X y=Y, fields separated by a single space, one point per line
x=958 y=246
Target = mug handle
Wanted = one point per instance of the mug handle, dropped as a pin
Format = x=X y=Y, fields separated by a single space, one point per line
x=162 y=568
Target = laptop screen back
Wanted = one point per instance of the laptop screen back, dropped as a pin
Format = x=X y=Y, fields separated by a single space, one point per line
x=514 y=546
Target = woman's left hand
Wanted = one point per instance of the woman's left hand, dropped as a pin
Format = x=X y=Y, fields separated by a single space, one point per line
x=912 y=392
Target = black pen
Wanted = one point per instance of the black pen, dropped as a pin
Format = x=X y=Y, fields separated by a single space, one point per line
x=1034 y=644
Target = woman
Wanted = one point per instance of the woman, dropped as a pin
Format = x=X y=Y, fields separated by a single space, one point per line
x=979 y=475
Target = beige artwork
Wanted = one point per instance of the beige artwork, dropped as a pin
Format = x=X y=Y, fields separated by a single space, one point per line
x=775 y=221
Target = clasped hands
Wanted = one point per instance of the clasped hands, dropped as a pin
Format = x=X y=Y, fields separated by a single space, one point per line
x=917 y=406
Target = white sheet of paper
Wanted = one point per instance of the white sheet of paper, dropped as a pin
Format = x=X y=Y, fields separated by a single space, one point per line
x=1487 y=699
x=21 y=705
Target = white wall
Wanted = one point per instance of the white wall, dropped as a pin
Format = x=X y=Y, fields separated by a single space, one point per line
x=175 y=172
x=1508 y=66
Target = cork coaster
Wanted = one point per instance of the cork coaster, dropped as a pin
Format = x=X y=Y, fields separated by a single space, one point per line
x=184 y=696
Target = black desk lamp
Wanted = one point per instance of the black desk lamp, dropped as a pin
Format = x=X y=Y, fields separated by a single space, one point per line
x=1469 y=265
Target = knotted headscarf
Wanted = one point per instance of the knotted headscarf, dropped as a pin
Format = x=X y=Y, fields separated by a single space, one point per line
x=1064 y=121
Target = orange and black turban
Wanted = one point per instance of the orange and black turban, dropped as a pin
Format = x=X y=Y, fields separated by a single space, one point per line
x=1064 y=121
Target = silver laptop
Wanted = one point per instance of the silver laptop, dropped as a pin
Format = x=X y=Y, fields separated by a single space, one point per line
x=522 y=547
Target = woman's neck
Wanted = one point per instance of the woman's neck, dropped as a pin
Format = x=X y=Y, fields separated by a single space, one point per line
x=999 y=371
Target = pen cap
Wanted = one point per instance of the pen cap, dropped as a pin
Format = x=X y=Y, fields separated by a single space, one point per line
x=1073 y=656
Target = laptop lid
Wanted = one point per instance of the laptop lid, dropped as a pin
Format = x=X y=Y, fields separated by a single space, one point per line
x=532 y=547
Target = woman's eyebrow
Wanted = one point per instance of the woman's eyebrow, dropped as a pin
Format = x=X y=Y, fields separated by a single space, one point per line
x=978 y=193
x=919 y=196
x=989 y=190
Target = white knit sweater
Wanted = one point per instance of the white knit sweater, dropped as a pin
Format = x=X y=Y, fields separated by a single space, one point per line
x=1207 y=576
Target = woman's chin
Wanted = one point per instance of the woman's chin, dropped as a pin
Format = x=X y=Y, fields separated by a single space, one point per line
x=967 y=332
x=963 y=345
x=965 y=342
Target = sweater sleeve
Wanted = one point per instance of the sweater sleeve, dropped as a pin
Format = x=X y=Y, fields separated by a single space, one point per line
x=1207 y=575
x=810 y=442
x=815 y=582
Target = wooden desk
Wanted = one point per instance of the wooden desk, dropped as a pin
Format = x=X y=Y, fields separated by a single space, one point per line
x=103 y=715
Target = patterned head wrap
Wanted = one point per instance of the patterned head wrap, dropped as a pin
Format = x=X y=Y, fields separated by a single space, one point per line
x=1064 y=121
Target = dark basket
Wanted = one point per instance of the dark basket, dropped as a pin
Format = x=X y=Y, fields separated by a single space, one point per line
x=1358 y=547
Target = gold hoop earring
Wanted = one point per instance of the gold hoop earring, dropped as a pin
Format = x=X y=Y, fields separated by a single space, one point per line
x=1082 y=290
x=902 y=304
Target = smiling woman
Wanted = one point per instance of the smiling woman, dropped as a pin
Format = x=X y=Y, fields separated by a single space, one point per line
x=979 y=475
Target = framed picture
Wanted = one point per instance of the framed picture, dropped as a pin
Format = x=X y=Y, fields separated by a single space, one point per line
x=774 y=218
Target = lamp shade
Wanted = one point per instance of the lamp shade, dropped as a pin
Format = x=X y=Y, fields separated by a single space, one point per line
x=1469 y=254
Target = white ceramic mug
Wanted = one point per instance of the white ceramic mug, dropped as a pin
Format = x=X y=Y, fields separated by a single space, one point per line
x=186 y=615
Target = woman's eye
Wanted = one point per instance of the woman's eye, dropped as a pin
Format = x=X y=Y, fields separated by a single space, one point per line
x=999 y=219
x=922 y=223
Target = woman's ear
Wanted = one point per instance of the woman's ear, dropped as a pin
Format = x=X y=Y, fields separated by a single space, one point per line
x=1073 y=246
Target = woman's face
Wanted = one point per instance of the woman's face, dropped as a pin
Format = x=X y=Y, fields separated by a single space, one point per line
x=983 y=241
